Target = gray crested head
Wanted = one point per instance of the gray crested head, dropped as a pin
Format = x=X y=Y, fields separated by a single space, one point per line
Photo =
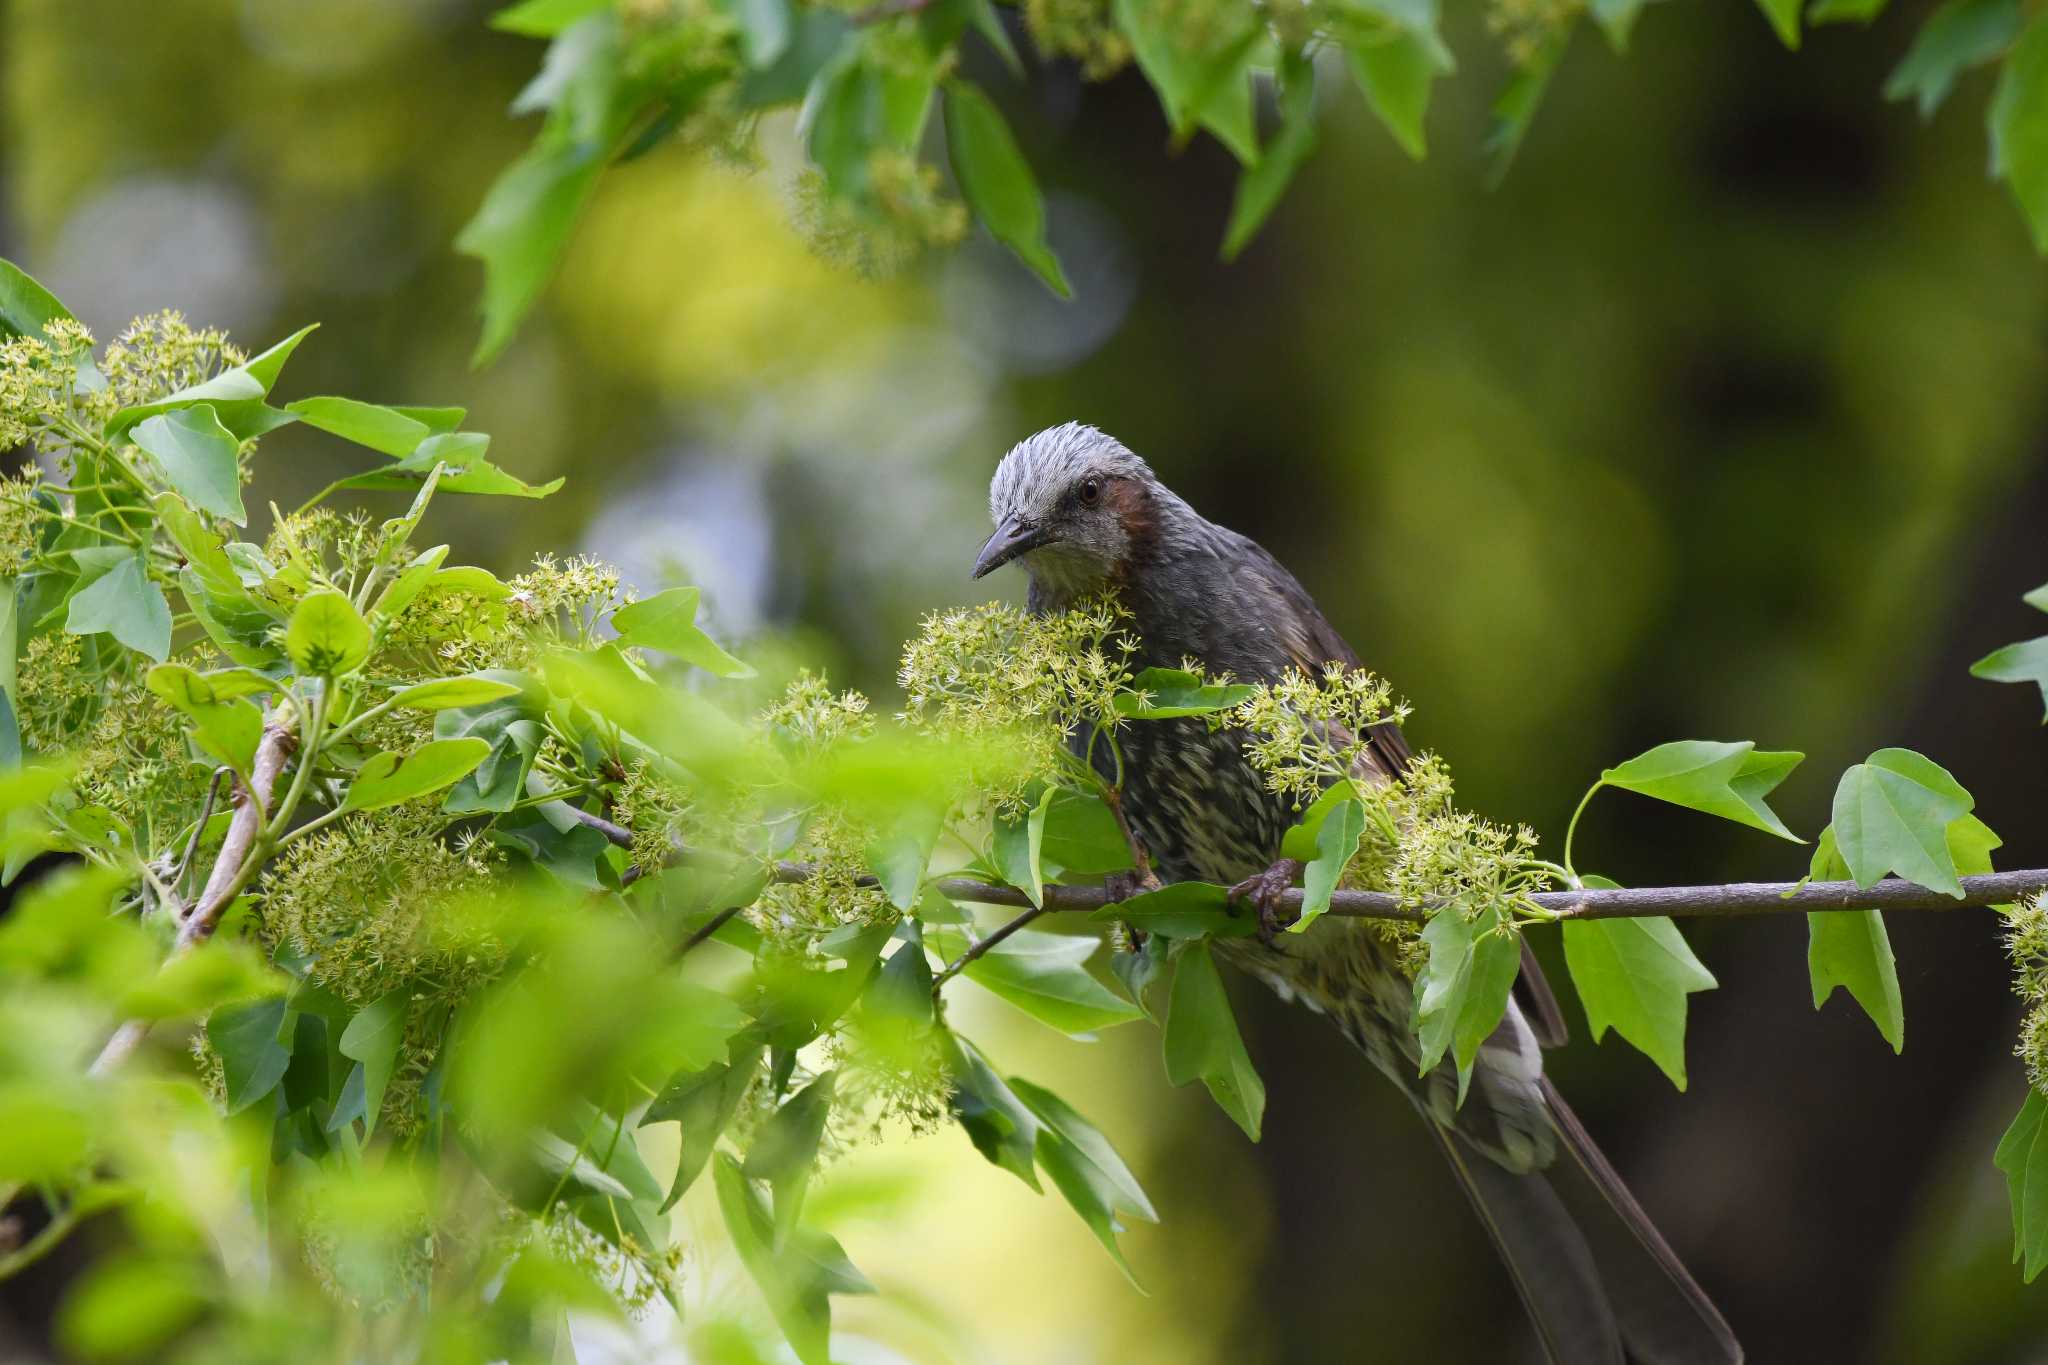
x=1072 y=504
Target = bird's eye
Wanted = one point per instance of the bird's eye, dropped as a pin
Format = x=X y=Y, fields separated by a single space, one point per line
x=1091 y=490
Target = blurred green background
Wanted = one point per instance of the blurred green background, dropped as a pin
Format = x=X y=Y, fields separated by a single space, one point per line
x=1723 y=417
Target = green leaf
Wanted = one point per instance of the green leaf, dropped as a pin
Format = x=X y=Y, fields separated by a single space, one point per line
x=236 y=394
x=373 y=1038
x=387 y=779
x=796 y=1280
x=1086 y=1189
x=228 y=725
x=1516 y=108
x=327 y=635
x=2023 y=1156
x=2019 y=127
x=192 y=983
x=1396 y=69
x=1299 y=843
x=1892 y=814
x=545 y=18
x=25 y=306
x=816 y=41
x=1180 y=910
x=410 y=582
x=1259 y=189
x=1844 y=11
x=1850 y=948
x=996 y=181
x=1617 y=19
x=999 y=1124
x=1202 y=72
x=903 y=852
x=1336 y=841
x=520 y=230
x=131 y=1306
x=702 y=1103
x=1957 y=36
x=1725 y=779
x=857 y=108
x=471 y=689
x=1784 y=17
x=126 y=603
x=785 y=1151
x=1164 y=693
x=896 y=1010
x=1019 y=849
x=2026 y=662
x=1043 y=975
x=1081 y=835
x=1634 y=975
x=511 y=726
x=765 y=29
x=367 y=424
x=252 y=1054
x=1202 y=1041
x=197 y=456
x=1463 y=989
x=667 y=621
x=1059 y=1116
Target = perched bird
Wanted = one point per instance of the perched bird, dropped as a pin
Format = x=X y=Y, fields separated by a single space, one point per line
x=1084 y=515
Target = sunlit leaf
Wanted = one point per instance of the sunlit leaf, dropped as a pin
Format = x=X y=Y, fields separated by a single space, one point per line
x=996 y=181
x=1730 y=780
x=667 y=621
x=1396 y=70
x=387 y=779
x=785 y=1150
x=1202 y=1042
x=1850 y=948
x=250 y=1042
x=373 y=1038
x=1958 y=35
x=1164 y=693
x=1633 y=976
x=2019 y=127
x=327 y=635
x=126 y=603
x=2023 y=1156
x=197 y=456
x=1462 y=992
x=1336 y=842
x=1892 y=814
x=367 y=424
x=471 y=689
x=1181 y=910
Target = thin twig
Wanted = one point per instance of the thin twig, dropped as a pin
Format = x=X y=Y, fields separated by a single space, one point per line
x=618 y=834
x=1732 y=899
x=232 y=869
x=199 y=829
x=710 y=927
x=958 y=964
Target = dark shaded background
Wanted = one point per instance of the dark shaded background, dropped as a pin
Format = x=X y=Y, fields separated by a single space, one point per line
x=1722 y=417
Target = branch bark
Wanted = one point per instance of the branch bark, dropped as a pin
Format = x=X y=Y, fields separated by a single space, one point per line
x=1727 y=900
x=232 y=869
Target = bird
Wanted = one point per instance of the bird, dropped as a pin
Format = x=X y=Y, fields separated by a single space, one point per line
x=1085 y=517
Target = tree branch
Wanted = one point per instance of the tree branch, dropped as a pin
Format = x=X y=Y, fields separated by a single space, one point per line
x=1696 y=902
x=233 y=867
x=995 y=936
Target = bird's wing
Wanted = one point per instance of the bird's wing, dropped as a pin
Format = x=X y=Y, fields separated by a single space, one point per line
x=1311 y=642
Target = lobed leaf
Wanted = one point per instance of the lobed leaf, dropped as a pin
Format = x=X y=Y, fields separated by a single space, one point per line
x=1892 y=814
x=1633 y=976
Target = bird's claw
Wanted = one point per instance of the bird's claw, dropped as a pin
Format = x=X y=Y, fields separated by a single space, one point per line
x=1262 y=891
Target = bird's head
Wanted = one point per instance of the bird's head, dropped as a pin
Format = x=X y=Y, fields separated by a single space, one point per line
x=1070 y=503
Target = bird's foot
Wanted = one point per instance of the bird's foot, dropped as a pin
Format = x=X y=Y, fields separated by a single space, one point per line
x=1262 y=891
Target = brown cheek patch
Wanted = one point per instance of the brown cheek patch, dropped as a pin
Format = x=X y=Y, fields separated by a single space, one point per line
x=1133 y=508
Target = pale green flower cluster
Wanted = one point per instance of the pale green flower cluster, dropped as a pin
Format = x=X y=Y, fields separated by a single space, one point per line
x=1305 y=731
x=1014 y=688
x=1082 y=29
x=2026 y=940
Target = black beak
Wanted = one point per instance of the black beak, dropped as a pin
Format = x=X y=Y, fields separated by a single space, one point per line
x=1012 y=538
